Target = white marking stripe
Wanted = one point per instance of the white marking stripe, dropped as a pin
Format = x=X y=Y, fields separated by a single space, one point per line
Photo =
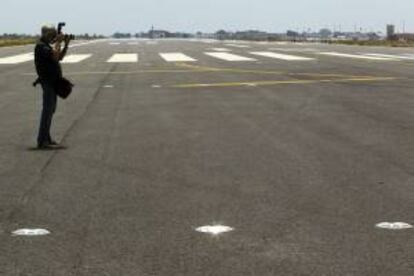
x=75 y=58
x=391 y=56
x=238 y=45
x=214 y=229
x=221 y=49
x=280 y=56
x=123 y=58
x=394 y=225
x=17 y=59
x=175 y=57
x=293 y=50
x=229 y=57
x=31 y=232
x=335 y=54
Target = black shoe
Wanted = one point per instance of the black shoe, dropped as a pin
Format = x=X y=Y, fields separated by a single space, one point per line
x=53 y=143
x=45 y=146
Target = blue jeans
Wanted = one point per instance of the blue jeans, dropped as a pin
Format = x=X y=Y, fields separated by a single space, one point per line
x=49 y=108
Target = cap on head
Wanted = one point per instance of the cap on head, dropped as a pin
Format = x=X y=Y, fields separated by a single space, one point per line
x=48 y=29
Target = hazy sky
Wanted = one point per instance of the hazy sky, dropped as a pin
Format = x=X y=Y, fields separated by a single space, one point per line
x=106 y=17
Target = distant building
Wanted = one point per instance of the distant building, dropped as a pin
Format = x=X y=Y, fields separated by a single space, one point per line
x=158 y=34
x=390 y=32
x=405 y=37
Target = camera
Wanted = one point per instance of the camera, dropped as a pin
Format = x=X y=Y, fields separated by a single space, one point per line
x=67 y=36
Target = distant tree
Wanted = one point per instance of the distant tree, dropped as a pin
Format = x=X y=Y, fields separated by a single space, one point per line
x=325 y=33
x=221 y=34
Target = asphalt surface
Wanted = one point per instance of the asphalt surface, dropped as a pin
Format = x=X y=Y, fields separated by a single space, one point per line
x=301 y=158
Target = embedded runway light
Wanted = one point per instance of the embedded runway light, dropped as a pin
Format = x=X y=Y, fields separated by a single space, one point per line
x=215 y=229
x=31 y=232
x=394 y=225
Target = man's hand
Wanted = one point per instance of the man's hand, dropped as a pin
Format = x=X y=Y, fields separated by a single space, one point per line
x=67 y=40
x=60 y=38
x=57 y=53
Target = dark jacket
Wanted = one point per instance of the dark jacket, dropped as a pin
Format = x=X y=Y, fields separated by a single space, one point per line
x=47 y=68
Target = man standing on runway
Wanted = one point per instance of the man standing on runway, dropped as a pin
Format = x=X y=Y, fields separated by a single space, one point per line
x=47 y=61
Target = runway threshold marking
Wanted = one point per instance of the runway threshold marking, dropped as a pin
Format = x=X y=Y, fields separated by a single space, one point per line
x=280 y=82
x=150 y=71
x=123 y=58
x=238 y=45
x=221 y=49
x=176 y=57
x=16 y=59
x=294 y=50
x=75 y=58
x=391 y=56
x=281 y=56
x=336 y=54
x=229 y=57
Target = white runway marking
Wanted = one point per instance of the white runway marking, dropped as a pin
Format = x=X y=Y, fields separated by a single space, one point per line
x=336 y=54
x=394 y=225
x=114 y=43
x=176 y=57
x=75 y=58
x=238 y=45
x=214 y=230
x=85 y=43
x=31 y=232
x=17 y=59
x=391 y=56
x=294 y=50
x=221 y=49
x=123 y=58
x=281 y=56
x=229 y=57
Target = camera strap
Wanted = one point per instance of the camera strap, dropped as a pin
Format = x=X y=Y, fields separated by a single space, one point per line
x=36 y=82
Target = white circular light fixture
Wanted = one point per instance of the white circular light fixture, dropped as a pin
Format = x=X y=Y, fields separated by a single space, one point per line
x=214 y=229
x=31 y=232
x=394 y=225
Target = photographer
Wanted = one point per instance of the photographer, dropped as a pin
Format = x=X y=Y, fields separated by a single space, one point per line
x=47 y=61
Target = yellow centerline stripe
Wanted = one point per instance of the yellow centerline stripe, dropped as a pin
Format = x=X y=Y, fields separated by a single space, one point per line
x=261 y=83
x=252 y=71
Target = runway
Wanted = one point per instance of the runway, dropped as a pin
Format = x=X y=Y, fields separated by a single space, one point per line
x=304 y=151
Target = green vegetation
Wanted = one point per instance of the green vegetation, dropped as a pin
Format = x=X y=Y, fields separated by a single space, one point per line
x=385 y=43
x=4 y=42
